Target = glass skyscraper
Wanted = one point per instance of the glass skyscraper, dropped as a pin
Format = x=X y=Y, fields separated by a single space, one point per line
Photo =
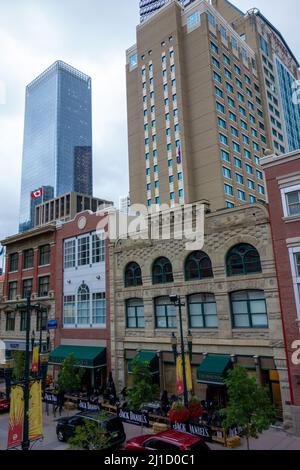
x=149 y=7
x=57 y=149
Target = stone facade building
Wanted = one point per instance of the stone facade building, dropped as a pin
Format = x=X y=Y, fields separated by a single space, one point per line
x=231 y=306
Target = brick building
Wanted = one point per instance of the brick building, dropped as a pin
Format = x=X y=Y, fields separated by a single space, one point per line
x=231 y=306
x=283 y=182
x=30 y=261
x=82 y=297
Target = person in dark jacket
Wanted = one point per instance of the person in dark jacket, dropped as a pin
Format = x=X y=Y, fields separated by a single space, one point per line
x=60 y=402
x=165 y=403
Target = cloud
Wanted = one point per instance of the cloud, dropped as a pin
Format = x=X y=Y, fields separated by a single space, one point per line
x=91 y=35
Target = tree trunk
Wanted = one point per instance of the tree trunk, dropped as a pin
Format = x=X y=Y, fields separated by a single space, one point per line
x=248 y=443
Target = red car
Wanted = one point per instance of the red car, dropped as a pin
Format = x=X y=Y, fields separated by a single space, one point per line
x=167 y=441
x=4 y=403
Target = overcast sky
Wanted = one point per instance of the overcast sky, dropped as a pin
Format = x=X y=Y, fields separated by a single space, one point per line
x=91 y=35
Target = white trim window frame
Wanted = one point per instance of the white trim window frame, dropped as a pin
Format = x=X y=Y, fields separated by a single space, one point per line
x=284 y=193
x=295 y=266
x=70 y=254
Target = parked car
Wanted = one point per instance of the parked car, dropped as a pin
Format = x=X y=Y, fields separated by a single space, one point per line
x=109 y=423
x=167 y=441
x=4 y=403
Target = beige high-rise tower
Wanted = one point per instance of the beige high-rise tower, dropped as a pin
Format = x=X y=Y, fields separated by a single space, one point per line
x=197 y=123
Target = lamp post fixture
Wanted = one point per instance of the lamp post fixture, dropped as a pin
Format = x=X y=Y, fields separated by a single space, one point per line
x=27 y=308
x=176 y=300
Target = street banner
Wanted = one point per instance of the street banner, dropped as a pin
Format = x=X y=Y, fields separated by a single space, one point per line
x=35 y=411
x=188 y=368
x=179 y=374
x=35 y=360
x=16 y=417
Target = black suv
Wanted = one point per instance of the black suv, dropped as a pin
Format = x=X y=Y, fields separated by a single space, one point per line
x=111 y=424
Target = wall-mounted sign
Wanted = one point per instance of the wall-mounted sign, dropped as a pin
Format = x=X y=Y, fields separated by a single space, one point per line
x=52 y=324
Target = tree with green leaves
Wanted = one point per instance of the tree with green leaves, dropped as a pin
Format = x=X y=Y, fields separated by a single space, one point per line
x=70 y=376
x=90 y=436
x=142 y=390
x=19 y=364
x=249 y=406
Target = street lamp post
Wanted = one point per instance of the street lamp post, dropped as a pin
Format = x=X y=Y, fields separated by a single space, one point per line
x=27 y=308
x=176 y=300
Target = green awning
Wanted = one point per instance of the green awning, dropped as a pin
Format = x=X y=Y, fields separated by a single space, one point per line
x=213 y=369
x=146 y=356
x=89 y=357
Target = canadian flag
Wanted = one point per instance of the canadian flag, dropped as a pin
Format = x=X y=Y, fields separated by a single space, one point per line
x=37 y=193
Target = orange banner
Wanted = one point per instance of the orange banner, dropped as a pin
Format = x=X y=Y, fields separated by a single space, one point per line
x=35 y=411
x=16 y=417
x=35 y=359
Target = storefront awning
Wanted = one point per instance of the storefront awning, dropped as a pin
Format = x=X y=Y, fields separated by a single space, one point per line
x=88 y=357
x=213 y=369
x=146 y=356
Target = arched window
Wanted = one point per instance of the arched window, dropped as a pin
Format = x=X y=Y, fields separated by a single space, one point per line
x=83 y=305
x=243 y=259
x=249 y=309
x=133 y=275
x=162 y=271
x=198 y=266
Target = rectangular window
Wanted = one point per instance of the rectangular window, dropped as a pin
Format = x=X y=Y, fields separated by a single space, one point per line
x=69 y=253
x=249 y=309
x=261 y=189
x=237 y=163
x=27 y=288
x=231 y=102
x=83 y=251
x=44 y=286
x=193 y=20
x=223 y=139
x=44 y=255
x=217 y=77
x=98 y=247
x=234 y=131
x=236 y=147
x=12 y=290
x=23 y=321
x=225 y=156
x=28 y=259
x=228 y=189
x=135 y=313
x=165 y=313
x=241 y=195
x=13 y=262
x=10 y=321
x=222 y=123
x=219 y=92
x=220 y=107
x=99 y=309
x=229 y=87
x=232 y=116
x=251 y=184
x=69 y=310
x=239 y=178
x=202 y=311
x=293 y=203
x=226 y=172
x=42 y=320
